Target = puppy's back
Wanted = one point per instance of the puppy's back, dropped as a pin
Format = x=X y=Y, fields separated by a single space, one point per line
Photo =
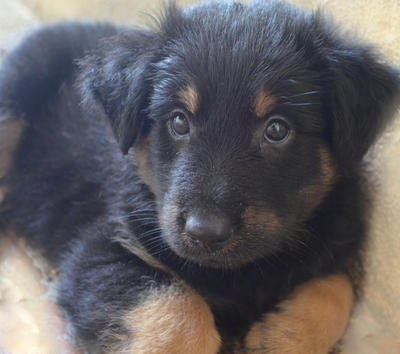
x=52 y=155
x=33 y=72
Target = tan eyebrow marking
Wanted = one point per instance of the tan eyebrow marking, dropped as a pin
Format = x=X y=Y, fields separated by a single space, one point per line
x=190 y=98
x=264 y=103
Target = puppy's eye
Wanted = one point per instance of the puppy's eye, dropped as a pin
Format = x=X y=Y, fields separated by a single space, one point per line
x=179 y=124
x=276 y=131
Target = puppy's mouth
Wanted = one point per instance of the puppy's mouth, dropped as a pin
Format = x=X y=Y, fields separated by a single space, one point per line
x=218 y=254
x=202 y=237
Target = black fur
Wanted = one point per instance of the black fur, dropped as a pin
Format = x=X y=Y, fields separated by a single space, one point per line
x=74 y=195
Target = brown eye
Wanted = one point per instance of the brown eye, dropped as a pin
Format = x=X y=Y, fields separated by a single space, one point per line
x=179 y=125
x=276 y=131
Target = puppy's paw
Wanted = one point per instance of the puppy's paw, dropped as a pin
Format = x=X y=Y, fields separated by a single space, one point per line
x=171 y=319
x=311 y=321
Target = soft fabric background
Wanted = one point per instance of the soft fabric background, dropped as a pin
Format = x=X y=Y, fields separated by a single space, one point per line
x=29 y=320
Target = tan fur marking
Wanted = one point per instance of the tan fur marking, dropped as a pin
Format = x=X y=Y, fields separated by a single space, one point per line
x=312 y=195
x=190 y=98
x=263 y=218
x=10 y=133
x=264 y=103
x=173 y=320
x=139 y=157
x=141 y=154
x=327 y=167
x=312 y=320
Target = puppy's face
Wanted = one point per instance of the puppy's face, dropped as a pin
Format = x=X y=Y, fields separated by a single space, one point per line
x=241 y=118
x=237 y=155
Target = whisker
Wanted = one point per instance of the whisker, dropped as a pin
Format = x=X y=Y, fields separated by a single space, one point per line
x=142 y=211
x=303 y=94
x=135 y=218
x=147 y=234
x=299 y=104
x=144 y=219
x=153 y=245
x=153 y=230
x=160 y=251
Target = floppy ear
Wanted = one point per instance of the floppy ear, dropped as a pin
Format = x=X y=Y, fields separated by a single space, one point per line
x=118 y=79
x=365 y=96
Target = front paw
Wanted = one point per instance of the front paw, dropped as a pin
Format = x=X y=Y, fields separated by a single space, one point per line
x=311 y=321
x=171 y=319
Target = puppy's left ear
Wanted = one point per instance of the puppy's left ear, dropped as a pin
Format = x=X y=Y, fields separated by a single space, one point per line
x=117 y=80
x=365 y=96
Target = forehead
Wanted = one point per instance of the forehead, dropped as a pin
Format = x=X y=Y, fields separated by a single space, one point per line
x=238 y=55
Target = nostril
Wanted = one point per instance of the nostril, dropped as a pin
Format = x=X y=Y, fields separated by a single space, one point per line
x=194 y=226
x=211 y=230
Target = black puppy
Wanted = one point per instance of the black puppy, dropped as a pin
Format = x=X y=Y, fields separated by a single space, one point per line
x=235 y=226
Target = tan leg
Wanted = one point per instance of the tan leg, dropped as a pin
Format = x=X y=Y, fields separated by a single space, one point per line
x=171 y=319
x=311 y=321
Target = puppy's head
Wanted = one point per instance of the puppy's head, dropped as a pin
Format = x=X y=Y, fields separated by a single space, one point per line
x=241 y=118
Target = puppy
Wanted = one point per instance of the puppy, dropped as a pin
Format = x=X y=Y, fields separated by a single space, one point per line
x=197 y=185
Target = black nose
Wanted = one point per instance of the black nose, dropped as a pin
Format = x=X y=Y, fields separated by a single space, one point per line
x=210 y=230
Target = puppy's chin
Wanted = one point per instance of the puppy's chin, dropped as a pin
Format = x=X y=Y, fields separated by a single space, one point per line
x=194 y=252
x=234 y=254
x=217 y=259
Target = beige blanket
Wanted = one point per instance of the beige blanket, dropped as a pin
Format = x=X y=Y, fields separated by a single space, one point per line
x=29 y=320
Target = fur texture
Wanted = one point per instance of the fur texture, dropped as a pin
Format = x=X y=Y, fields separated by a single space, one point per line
x=238 y=217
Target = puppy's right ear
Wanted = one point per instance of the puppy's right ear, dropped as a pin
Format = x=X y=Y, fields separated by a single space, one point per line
x=118 y=79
